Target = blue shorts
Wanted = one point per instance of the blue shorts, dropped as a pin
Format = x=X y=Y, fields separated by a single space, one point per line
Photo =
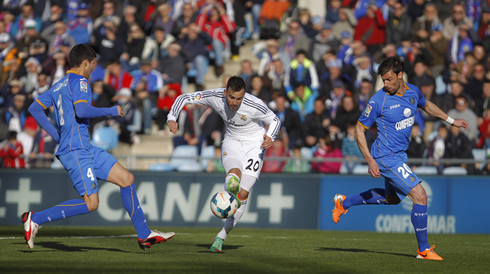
x=399 y=178
x=85 y=166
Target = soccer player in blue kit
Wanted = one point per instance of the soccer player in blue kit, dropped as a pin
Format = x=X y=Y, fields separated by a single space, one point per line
x=393 y=109
x=72 y=98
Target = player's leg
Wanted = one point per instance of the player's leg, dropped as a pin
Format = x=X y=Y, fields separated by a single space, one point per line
x=108 y=169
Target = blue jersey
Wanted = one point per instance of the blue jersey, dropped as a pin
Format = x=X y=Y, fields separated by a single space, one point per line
x=394 y=116
x=64 y=95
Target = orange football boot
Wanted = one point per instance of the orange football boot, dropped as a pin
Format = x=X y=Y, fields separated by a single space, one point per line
x=338 y=210
x=429 y=254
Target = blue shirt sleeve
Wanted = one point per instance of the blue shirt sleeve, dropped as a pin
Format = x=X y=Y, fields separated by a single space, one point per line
x=370 y=113
x=82 y=99
x=37 y=111
x=421 y=100
x=81 y=91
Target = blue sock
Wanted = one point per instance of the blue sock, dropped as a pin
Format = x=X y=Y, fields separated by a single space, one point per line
x=61 y=211
x=132 y=205
x=372 y=196
x=419 y=221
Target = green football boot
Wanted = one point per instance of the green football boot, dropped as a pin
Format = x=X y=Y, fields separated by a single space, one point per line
x=233 y=186
x=217 y=245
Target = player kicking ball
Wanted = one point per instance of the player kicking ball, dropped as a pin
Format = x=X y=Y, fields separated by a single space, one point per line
x=245 y=139
x=393 y=109
x=71 y=98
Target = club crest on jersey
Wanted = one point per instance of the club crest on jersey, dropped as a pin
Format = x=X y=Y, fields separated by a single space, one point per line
x=412 y=101
x=243 y=118
x=196 y=96
x=94 y=185
x=367 y=111
x=83 y=86
x=224 y=153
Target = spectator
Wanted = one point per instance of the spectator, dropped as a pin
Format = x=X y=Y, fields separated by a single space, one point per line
x=456 y=19
x=485 y=21
x=360 y=69
x=460 y=44
x=215 y=165
x=449 y=99
x=11 y=152
x=437 y=46
x=297 y=164
x=479 y=52
x=483 y=103
x=348 y=113
x=166 y=99
x=267 y=56
x=15 y=114
x=247 y=73
x=345 y=43
x=27 y=12
x=330 y=71
x=162 y=19
x=474 y=86
x=437 y=148
x=42 y=150
x=327 y=149
x=316 y=123
x=293 y=41
x=116 y=76
x=259 y=91
x=305 y=20
x=187 y=17
x=57 y=66
x=362 y=6
x=398 y=25
x=130 y=17
x=347 y=22
x=56 y=15
x=427 y=87
x=444 y=8
x=29 y=81
x=333 y=11
x=98 y=73
x=194 y=41
x=371 y=29
x=323 y=41
x=278 y=149
x=270 y=17
x=43 y=84
x=424 y=25
x=26 y=136
x=420 y=72
x=290 y=120
x=173 y=66
x=108 y=14
x=163 y=41
x=138 y=47
x=484 y=140
x=366 y=90
x=256 y=7
x=416 y=147
x=7 y=48
x=274 y=80
x=415 y=9
x=110 y=45
x=146 y=84
x=303 y=99
x=459 y=147
x=54 y=35
x=125 y=101
x=82 y=26
x=336 y=95
x=301 y=71
x=214 y=21
x=350 y=149
x=30 y=37
x=461 y=111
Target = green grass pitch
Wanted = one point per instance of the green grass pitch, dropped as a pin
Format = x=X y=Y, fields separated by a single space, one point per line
x=110 y=249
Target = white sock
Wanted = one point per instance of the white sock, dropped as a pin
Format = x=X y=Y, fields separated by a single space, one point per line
x=232 y=222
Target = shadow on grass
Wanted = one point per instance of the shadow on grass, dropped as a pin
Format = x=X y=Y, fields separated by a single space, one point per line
x=225 y=247
x=358 y=250
x=65 y=248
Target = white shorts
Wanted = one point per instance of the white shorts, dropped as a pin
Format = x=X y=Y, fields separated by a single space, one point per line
x=246 y=156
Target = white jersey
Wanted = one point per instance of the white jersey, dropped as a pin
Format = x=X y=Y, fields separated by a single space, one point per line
x=244 y=124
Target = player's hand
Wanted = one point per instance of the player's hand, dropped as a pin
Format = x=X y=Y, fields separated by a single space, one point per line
x=267 y=141
x=120 y=111
x=374 y=169
x=460 y=123
x=173 y=126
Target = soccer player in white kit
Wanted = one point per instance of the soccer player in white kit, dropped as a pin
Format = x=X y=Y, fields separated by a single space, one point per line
x=245 y=142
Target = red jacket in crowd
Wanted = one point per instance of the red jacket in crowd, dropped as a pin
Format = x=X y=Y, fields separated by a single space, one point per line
x=376 y=26
x=217 y=30
x=11 y=155
x=327 y=167
x=122 y=81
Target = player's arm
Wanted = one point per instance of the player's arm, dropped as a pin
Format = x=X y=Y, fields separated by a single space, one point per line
x=198 y=98
x=37 y=109
x=82 y=98
x=272 y=123
x=435 y=111
x=363 y=147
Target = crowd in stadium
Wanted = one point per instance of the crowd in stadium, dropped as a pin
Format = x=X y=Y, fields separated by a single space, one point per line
x=316 y=73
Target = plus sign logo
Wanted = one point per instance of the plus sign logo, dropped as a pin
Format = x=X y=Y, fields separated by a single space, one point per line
x=275 y=202
x=23 y=197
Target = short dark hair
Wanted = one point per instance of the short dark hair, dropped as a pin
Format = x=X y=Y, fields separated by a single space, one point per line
x=80 y=53
x=301 y=51
x=391 y=63
x=235 y=83
x=12 y=135
x=114 y=61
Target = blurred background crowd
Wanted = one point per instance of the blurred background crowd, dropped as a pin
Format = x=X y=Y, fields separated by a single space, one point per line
x=316 y=72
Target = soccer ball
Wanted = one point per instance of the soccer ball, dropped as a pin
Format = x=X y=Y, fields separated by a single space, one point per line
x=224 y=204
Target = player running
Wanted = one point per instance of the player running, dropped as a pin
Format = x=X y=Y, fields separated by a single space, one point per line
x=393 y=109
x=245 y=139
x=72 y=98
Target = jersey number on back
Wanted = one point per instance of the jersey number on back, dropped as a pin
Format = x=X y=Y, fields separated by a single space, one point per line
x=60 y=111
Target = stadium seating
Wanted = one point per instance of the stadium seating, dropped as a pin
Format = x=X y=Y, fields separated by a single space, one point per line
x=180 y=164
x=361 y=170
x=206 y=154
x=426 y=170
x=105 y=138
x=479 y=155
x=455 y=170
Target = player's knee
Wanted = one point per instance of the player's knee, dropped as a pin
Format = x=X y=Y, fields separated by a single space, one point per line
x=93 y=205
x=129 y=179
x=393 y=200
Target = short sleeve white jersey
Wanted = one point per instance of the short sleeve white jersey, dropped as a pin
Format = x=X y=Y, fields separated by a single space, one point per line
x=244 y=124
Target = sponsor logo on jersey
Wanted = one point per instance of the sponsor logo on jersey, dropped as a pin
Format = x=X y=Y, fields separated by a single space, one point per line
x=367 y=111
x=196 y=96
x=83 y=86
x=412 y=100
x=243 y=118
x=224 y=153
x=405 y=123
x=407 y=112
x=395 y=106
